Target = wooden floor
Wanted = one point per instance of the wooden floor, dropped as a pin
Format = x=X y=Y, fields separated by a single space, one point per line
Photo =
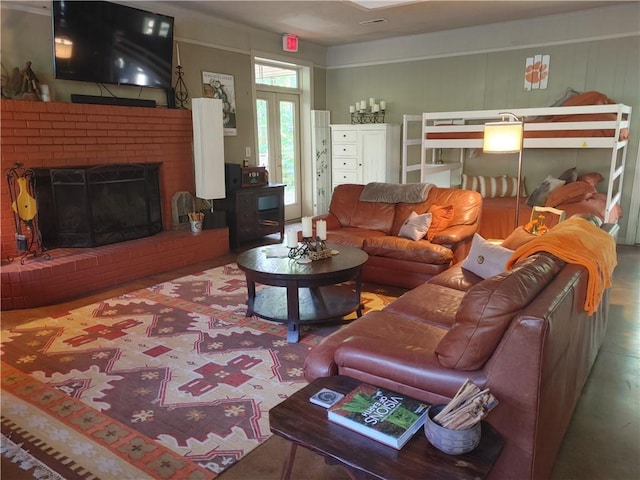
x=603 y=441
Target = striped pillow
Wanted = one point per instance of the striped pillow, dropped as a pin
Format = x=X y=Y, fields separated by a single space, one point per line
x=490 y=187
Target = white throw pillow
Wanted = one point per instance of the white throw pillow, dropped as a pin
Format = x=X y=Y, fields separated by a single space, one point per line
x=415 y=226
x=486 y=259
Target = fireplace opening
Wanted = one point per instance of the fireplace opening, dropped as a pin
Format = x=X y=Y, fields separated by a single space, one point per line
x=94 y=206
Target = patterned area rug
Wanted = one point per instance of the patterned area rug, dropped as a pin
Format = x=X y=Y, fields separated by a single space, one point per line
x=170 y=382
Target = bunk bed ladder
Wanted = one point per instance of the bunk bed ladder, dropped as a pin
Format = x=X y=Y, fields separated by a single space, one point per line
x=410 y=142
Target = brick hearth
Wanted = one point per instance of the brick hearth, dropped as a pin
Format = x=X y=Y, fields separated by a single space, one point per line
x=53 y=134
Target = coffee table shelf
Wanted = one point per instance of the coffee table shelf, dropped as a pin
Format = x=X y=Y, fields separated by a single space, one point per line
x=305 y=424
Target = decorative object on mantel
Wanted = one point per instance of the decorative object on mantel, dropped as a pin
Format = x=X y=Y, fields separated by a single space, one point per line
x=372 y=113
x=181 y=92
x=21 y=85
x=25 y=212
x=311 y=248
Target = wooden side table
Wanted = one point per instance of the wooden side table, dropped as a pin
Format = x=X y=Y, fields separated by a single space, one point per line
x=305 y=424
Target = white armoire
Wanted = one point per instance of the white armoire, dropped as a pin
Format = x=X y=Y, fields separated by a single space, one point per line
x=365 y=153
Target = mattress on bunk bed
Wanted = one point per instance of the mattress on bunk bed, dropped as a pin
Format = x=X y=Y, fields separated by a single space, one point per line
x=582 y=99
x=498 y=214
x=595 y=117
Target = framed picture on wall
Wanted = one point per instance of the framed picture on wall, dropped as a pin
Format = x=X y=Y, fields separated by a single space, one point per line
x=221 y=85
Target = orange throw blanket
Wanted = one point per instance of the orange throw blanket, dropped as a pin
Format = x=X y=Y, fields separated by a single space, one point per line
x=578 y=241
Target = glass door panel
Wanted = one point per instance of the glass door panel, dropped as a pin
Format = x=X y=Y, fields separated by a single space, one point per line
x=278 y=145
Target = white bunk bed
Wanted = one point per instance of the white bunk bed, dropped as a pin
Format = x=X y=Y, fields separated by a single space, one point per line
x=573 y=127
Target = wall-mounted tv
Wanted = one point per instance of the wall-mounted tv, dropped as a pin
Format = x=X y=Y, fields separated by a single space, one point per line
x=104 y=42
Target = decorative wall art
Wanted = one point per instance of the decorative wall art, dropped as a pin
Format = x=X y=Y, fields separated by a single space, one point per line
x=536 y=72
x=221 y=85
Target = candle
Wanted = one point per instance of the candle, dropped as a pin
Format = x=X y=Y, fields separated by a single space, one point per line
x=372 y=101
x=292 y=239
x=363 y=105
x=321 y=229
x=307 y=230
x=352 y=109
x=375 y=108
x=383 y=105
x=178 y=54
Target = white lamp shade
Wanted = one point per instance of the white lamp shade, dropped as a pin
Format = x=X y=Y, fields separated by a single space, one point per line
x=208 y=147
x=502 y=137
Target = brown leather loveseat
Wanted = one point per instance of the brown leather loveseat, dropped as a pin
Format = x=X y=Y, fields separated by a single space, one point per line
x=374 y=226
x=523 y=333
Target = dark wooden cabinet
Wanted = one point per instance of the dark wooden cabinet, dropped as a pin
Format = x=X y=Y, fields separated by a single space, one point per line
x=254 y=212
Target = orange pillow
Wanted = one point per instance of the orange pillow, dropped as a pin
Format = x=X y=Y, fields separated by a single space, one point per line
x=517 y=238
x=588 y=98
x=593 y=178
x=441 y=216
x=570 y=193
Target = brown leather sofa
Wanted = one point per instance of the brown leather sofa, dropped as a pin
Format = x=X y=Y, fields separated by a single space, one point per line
x=374 y=227
x=523 y=333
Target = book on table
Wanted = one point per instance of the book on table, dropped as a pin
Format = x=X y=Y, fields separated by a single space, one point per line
x=380 y=414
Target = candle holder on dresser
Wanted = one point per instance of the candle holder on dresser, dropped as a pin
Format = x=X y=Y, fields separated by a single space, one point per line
x=373 y=112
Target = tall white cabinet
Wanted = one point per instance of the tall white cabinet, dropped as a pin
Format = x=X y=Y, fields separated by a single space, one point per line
x=365 y=153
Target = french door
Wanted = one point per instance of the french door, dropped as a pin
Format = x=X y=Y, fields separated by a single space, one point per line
x=278 y=120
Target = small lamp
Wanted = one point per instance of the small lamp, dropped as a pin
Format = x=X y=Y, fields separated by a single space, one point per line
x=506 y=136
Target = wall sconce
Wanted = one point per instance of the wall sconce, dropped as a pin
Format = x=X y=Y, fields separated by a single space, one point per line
x=506 y=136
x=372 y=113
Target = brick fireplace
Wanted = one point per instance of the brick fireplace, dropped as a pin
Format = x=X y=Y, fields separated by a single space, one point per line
x=52 y=134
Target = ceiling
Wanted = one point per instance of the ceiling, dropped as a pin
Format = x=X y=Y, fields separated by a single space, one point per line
x=338 y=22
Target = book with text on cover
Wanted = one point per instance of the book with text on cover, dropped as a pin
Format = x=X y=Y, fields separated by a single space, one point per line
x=380 y=414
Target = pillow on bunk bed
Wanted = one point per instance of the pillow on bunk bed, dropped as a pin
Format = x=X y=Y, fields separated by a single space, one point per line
x=539 y=196
x=570 y=193
x=491 y=187
x=570 y=175
x=592 y=178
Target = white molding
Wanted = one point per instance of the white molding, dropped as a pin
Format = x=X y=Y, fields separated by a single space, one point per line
x=596 y=24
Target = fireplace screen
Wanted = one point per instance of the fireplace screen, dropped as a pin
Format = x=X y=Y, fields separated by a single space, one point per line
x=89 y=207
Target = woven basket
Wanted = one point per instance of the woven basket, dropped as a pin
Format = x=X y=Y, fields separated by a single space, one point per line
x=453 y=442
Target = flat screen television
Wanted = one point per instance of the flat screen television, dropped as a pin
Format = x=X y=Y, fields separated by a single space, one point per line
x=104 y=42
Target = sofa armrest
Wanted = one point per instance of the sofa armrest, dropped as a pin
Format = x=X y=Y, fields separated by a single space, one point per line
x=414 y=366
x=455 y=235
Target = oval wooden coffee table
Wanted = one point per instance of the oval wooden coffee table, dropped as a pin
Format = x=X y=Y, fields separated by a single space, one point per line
x=298 y=293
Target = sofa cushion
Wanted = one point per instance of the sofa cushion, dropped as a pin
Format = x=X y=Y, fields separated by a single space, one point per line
x=428 y=303
x=399 y=248
x=456 y=277
x=486 y=259
x=354 y=237
x=415 y=226
x=441 y=216
x=374 y=216
x=488 y=308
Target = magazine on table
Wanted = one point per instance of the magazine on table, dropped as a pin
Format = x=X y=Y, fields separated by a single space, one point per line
x=380 y=414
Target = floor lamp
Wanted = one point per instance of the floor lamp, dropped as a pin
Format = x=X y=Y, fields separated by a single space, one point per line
x=506 y=136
